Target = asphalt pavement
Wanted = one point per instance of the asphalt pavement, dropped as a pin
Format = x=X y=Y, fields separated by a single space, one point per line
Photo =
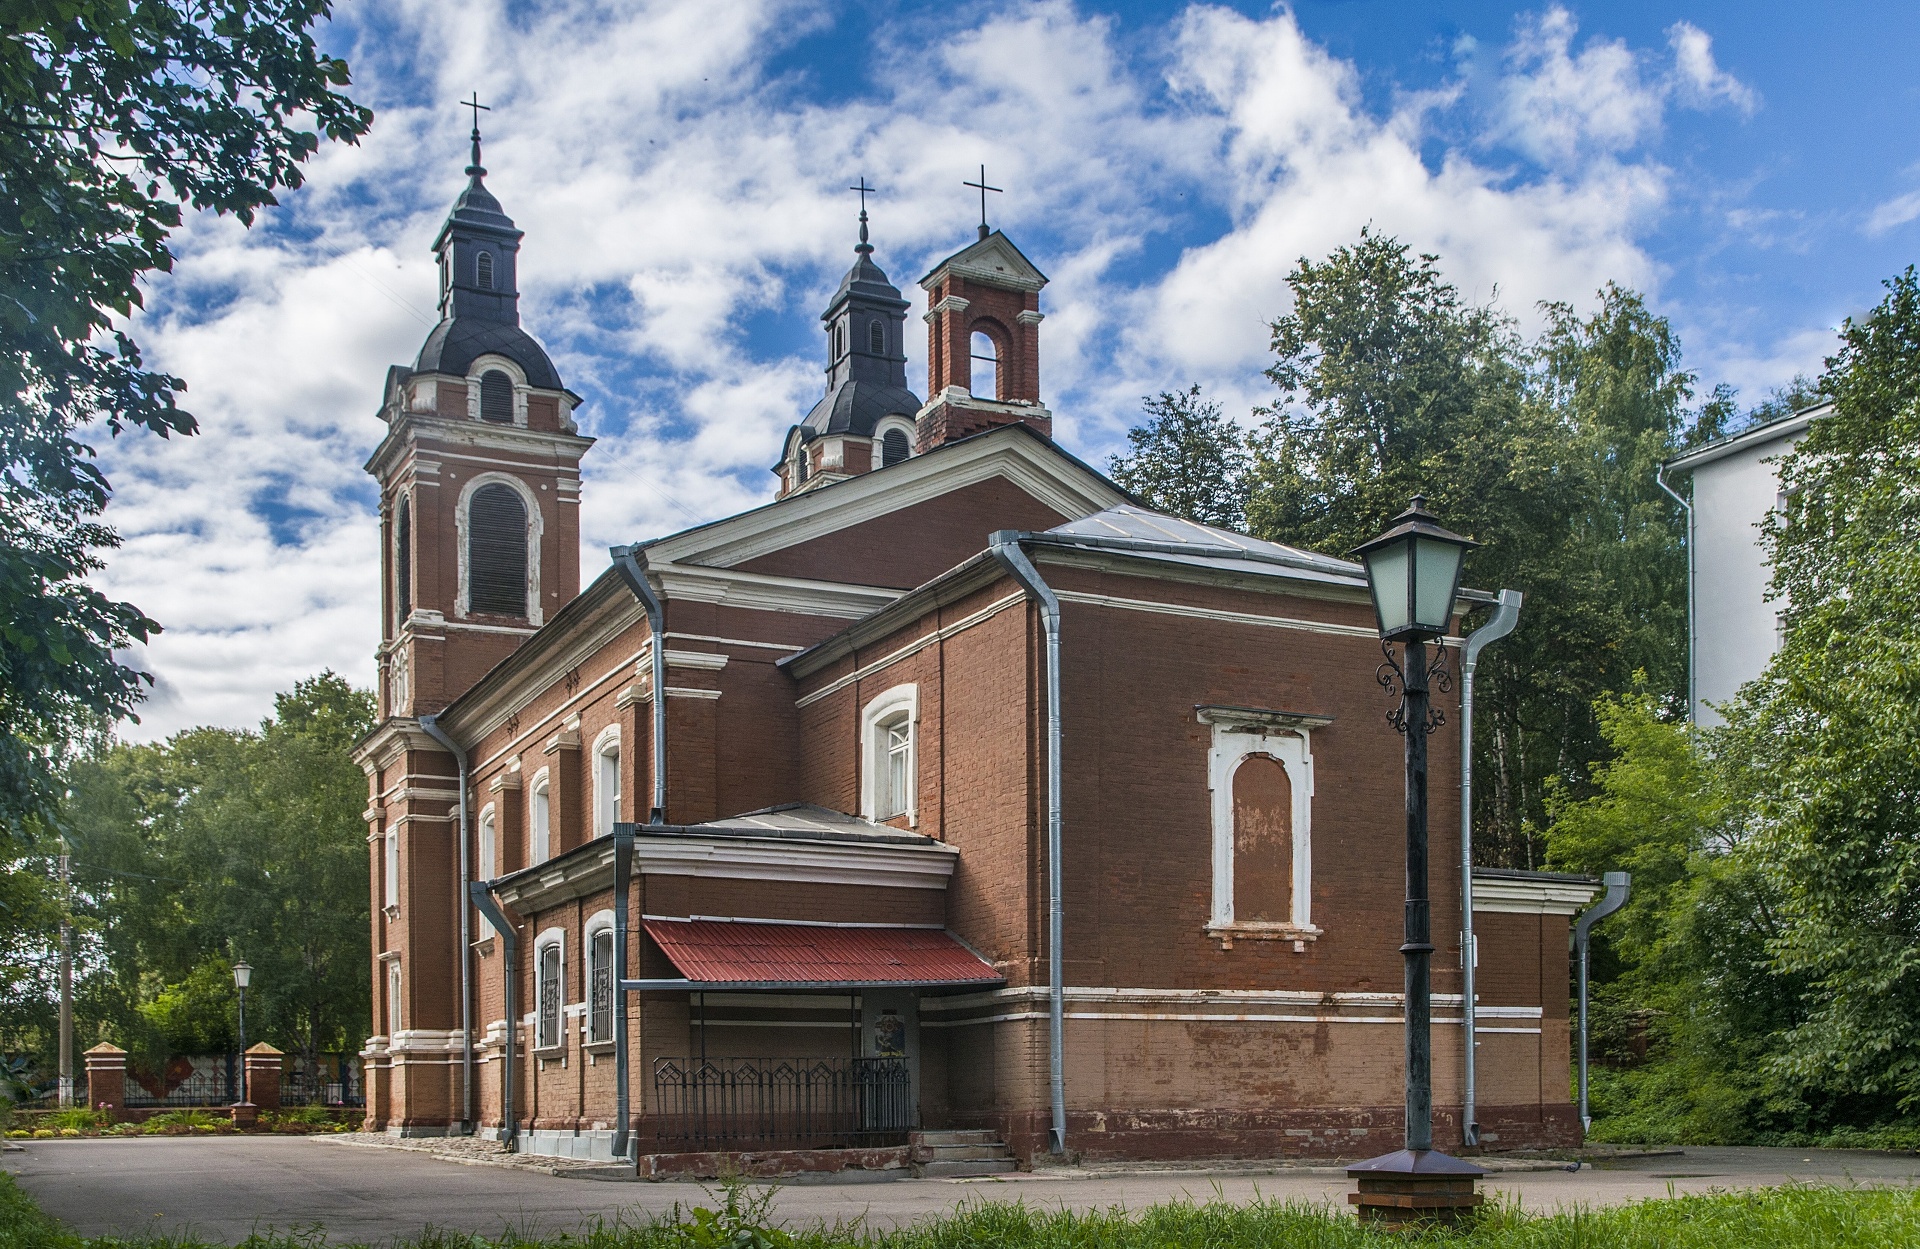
x=223 y=1189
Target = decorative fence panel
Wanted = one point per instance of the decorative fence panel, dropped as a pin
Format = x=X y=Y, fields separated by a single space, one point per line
x=214 y=1080
x=781 y=1103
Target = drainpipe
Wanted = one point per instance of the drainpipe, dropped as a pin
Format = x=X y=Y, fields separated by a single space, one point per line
x=1618 y=884
x=1660 y=478
x=431 y=726
x=1005 y=547
x=629 y=562
x=1505 y=616
x=482 y=894
x=622 y=875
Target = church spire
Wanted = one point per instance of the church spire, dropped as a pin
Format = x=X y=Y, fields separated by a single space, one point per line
x=478 y=247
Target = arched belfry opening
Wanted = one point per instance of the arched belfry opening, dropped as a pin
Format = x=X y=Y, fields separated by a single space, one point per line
x=983 y=342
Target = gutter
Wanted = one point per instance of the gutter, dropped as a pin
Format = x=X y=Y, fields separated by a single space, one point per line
x=429 y=724
x=1660 y=479
x=1004 y=545
x=481 y=892
x=1505 y=617
x=1618 y=885
x=629 y=562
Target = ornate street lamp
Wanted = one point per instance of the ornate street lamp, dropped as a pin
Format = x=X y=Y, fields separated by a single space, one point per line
x=1413 y=572
x=242 y=976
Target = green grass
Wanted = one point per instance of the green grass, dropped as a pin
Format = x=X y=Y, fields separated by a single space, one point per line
x=1781 y=1218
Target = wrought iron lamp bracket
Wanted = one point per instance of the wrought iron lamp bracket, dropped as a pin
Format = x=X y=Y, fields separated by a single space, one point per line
x=1393 y=679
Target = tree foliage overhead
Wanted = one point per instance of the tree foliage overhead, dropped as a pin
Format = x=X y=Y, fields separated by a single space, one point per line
x=113 y=118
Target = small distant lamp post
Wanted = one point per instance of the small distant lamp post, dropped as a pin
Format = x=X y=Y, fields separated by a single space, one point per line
x=242 y=976
x=1413 y=572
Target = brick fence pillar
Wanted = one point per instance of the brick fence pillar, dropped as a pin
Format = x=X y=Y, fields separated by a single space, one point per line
x=263 y=1076
x=107 y=1078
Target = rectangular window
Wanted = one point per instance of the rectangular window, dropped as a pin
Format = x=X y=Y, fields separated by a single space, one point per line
x=547 y=1027
x=898 y=744
x=600 y=1020
x=609 y=790
x=542 y=821
x=393 y=998
x=391 y=867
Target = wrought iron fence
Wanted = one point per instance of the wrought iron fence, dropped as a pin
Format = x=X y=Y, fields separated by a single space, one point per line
x=781 y=1103
x=214 y=1080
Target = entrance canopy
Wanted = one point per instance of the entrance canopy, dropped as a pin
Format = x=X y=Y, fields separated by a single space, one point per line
x=729 y=954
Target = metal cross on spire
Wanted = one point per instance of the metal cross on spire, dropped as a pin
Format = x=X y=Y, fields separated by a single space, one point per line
x=865 y=191
x=478 y=108
x=983 y=188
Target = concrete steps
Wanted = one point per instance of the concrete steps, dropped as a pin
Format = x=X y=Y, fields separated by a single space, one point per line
x=957 y=1154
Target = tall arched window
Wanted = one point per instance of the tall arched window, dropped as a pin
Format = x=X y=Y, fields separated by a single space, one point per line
x=606 y=787
x=894 y=447
x=496 y=397
x=877 y=337
x=547 y=1019
x=839 y=339
x=393 y=998
x=390 y=888
x=800 y=466
x=497 y=551
x=488 y=855
x=403 y=559
x=483 y=271
x=1262 y=841
x=600 y=972
x=986 y=366
x=542 y=820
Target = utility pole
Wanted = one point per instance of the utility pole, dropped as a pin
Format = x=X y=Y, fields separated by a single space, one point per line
x=66 y=975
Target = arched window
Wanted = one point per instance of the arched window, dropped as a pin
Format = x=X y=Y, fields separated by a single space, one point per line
x=1262 y=841
x=800 y=466
x=496 y=397
x=986 y=366
x=888 y=754
x=483 y=271
x=894 y=447
x=542 y=820
x=877 y=337
x=403 y=559
x=497 y=551
x=487 y=856
x=547 y=1003
x=391 y=867
x=606 y=786
x=393 y=997
x=600 y=986
x=839 y=339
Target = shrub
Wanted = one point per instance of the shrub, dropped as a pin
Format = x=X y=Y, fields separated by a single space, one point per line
x=76 y=1119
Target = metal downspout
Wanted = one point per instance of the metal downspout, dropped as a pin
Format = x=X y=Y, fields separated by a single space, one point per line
x=1660 y=479
x=482 y=894
x=622 y=877
x=1505 y=616
x=1618 y=885
x=430 y=725
x=1005 y=547
x=628 y=561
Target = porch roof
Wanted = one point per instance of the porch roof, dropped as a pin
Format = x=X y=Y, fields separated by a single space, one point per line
x=732 y=954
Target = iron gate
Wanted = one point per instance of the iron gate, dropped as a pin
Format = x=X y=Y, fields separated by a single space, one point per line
x=781 y=1103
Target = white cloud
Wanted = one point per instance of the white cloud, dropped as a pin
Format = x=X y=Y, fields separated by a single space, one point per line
x=685 y=221
x=1700 y=80
x=1893 y=213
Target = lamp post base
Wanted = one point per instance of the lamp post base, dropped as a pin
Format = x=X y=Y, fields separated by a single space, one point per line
x=1414 y=1186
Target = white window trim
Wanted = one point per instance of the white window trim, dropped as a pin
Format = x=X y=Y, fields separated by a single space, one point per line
x=390 y=868
x=396 y=983
x=487 y=363
x=597 y=923
x=536 y=525
x=486 y=854
x=891 y=423
x=1232 y=744
x=539 y=841
x=550 y=939
x=884 y=707
x=603 y=817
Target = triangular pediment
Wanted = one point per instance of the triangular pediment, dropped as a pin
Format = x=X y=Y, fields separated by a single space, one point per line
x=993 y=261
x=1012 y=454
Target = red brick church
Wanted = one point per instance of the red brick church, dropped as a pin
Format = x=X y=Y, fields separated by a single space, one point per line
x=966 y=794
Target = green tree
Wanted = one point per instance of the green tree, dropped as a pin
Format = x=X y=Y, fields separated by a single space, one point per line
x=220 y=844
x=116 y=117
x=1828 y=736
x=1187 y=460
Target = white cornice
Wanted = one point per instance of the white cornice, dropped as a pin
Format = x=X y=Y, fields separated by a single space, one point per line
x=416 y=428
x=1063 y=484
x=692 y=583
x=1504 y=895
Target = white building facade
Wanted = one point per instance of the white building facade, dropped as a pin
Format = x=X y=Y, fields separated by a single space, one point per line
x=1735 y=628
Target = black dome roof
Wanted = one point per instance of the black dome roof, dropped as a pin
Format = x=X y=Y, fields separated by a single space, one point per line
x=458 y=341
x=856 y=406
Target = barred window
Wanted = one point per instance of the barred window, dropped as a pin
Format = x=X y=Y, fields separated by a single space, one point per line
x=497 y=551
x=894 y=447
x=483 y=271
x=547 y=1021
x=600 y=1019
x=877 y=337
x=496 y=397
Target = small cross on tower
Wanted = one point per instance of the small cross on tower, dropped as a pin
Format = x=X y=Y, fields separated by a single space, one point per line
x=983 y=188
x=475 y=169
x=865 y=191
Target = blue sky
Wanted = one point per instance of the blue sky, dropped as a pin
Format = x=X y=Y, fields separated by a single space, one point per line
x=678 y=166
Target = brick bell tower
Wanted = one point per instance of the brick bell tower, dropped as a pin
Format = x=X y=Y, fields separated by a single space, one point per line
x=479 y=475
x=983 y=343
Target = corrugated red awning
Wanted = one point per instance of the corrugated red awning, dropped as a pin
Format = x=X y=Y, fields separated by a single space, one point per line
x=722 y=953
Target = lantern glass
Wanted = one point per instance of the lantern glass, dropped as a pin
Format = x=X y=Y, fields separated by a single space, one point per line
x=242 y=973
x=1388 y=570
x=1436 y=578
